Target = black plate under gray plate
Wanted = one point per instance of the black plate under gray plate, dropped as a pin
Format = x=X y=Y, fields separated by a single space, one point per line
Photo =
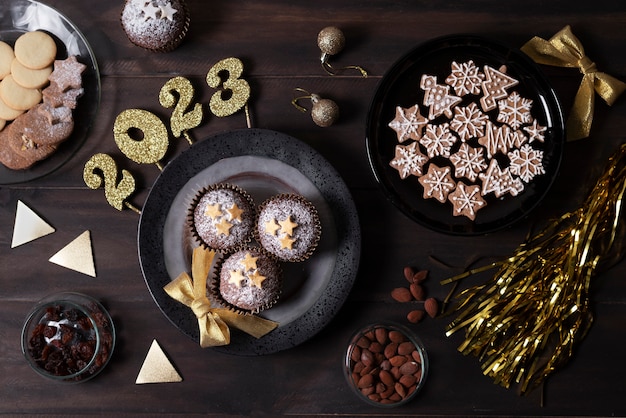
x=400 y=87
x=264 y=163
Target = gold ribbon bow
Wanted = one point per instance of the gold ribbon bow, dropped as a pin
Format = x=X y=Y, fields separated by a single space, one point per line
x=565 y=50
x=212 y=322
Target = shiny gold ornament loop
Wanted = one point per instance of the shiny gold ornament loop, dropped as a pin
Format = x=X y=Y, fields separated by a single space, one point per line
x=565 y=50
x=331 y=41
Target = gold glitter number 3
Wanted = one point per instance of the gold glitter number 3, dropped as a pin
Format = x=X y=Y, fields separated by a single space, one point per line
x=183 y=118
x=236 y=91
x=102 y=168
x=149 y=141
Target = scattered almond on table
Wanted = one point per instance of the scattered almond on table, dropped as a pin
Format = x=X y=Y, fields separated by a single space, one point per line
x=416 y=292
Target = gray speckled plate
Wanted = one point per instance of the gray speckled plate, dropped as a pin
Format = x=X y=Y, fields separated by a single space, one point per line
x=264 y=163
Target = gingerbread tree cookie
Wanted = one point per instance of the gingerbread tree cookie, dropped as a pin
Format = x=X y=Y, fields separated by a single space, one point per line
x=438 y=97
x=495 y=87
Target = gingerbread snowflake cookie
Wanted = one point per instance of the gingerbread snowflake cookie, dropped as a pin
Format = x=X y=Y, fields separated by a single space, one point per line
x=475 y=137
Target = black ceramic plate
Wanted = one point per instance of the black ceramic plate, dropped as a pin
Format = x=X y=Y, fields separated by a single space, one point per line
x=19 y=16
x=264 y=163
x=401 y=87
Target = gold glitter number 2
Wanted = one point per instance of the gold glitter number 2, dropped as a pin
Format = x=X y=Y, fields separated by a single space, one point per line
x=101 y=168
x=236 y=91
x=183 y=118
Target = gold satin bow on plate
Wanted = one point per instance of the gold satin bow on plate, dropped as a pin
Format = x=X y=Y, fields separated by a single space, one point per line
x=565 y=50
x=212 y=322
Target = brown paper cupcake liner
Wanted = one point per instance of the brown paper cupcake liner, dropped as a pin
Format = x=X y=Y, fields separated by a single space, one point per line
x=174 y=42
x=317 y=228
x=213 y=283
x=225 y=248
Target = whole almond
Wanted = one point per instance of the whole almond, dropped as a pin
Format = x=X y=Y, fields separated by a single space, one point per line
x=420 y=276
x=363 y=342
x=391 y=350
x=431 y=306
x=367 y=357
x=417 y=291
x=376 y=347
x=409 y=272
x=415 y=316
x=388 y=392
x=409 y=367
x=397 y=361
x=400 y=390
x=356 y=353
x=386 y=378
x=381 y=335
x=368 y=390
x=365 y=381
x=405 y=348
x=396 y=336
x=401 y=294
x=408 y=380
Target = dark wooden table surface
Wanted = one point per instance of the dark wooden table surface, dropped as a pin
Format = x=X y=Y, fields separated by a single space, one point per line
x=276 y=41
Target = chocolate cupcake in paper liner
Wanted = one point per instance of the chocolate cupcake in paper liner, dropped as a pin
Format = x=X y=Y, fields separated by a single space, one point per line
x=221 y=217
x=247 y=281
x=288 y=227
x=156 y=25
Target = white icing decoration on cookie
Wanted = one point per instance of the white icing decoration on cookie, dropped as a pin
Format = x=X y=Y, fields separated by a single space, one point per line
x=514 y=110
x=438 y=140
x=526 y=162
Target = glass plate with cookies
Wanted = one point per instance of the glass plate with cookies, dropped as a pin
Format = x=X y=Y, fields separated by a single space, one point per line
x=49 y=90
x=465 y=135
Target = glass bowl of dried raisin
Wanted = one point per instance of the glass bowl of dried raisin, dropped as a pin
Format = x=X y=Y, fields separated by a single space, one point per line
x=68 y=337
x=385 y=364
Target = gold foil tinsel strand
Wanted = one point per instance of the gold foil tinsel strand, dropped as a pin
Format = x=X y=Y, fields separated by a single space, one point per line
x=525 y=321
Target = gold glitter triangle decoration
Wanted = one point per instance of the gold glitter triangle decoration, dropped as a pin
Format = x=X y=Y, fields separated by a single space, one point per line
x=157 y=368
x=77 y=255
x=28 y=226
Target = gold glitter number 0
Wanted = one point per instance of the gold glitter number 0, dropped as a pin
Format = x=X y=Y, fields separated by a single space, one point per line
x=236 y=91
x=101 y=168
x=149 y=141
x=183 y=118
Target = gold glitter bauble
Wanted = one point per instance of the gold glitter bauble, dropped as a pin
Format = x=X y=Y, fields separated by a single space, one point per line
x=331 y=40
x=239 y=88
x=101 y=168
x=145 y=150
x=324 y=112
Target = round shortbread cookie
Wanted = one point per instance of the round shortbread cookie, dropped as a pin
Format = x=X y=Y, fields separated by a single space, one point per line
x=3 y=123
x=35 y=50
x=7 y=112
x=28 y=78
x=6 y=57
x=16 y=96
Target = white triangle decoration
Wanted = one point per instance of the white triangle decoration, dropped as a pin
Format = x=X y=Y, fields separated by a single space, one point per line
x=157 y=368
x=77 y=255
x=28 y=226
